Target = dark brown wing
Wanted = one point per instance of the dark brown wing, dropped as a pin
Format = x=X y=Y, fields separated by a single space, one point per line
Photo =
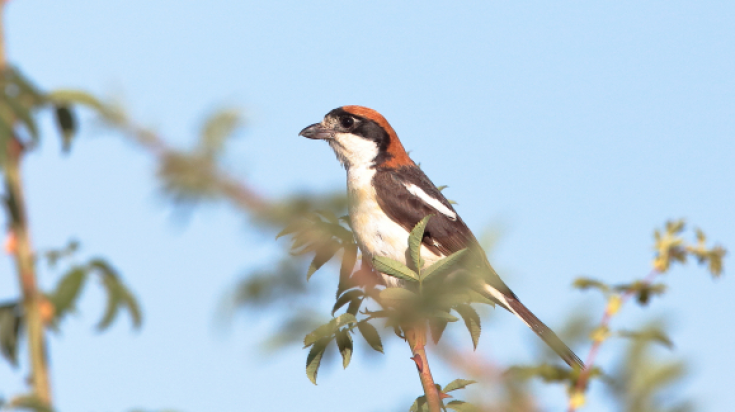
x=443 y=235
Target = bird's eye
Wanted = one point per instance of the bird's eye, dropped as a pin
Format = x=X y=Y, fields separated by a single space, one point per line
x=346 y=122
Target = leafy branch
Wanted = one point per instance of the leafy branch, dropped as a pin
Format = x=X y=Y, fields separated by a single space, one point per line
x=670 y=247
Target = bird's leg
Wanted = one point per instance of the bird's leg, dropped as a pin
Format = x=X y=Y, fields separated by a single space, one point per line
x=416 y=337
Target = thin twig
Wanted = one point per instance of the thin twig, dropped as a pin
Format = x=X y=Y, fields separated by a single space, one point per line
x=610 y=311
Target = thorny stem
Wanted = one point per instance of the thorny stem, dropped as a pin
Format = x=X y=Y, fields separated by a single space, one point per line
x=19 y=245
x=416 y=337
x=594 y=350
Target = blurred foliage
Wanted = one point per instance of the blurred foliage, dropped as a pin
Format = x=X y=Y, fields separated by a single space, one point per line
x=26 y=317
x=321 y=234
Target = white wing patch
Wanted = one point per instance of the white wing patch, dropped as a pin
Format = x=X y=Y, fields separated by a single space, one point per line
x=435 y=203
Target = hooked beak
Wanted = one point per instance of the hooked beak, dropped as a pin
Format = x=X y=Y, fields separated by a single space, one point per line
x=316 y=131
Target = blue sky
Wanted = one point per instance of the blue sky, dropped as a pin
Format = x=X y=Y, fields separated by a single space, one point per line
x=577 y=126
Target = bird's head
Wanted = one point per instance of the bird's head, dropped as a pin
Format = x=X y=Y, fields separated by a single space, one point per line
x=360 y=137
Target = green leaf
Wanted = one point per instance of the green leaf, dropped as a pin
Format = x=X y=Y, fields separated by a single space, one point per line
x=414 y=242
x=457 y=384
x=348 y=296
x=67 y=291
x=131 y=304
x=354 y=306
x=322 y=331
x=323 y=255
x=114 y=299
x=476 y=297
x=396 y=294
x=24 y=115
x=118 y=296
x=315 y=358
x=419 y=405
x=217 y=129
x=655 y=335
x=293 y=226
x=437 y=327
x=371 y=335
x=344 y=319
x=10 y=325
x=349 y=258
x=443 y=266
x=461 y=406
x=31 y=402
x=394 y=268
x=586 y=283
x=440 y=314
x=67 y=96
x=471 y=321
x=67 y=125
x=344 y=344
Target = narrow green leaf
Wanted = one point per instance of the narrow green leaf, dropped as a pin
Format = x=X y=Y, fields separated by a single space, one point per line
x=457 y=384
x=471 y=321
x=217 y=129
x=461 y=406
x=396 y=294
x=314 y=359
x=420 y=405
x=323 y=255
x=344 y=319
x=437 y=327
x=414 y=242
x=371 y=335
x=67 y=291
x=349 y=258
x=344 y=344
x=24 y=115
x=440 y=314
x=394 y=268
x=476 y=297
x=293 y=226
x=329 y=215
x=354 y=306
x=655 y=335
x=322 y=331
x=67 y=96
x=114 y=299
x=131 y=304
x=10 y=325
x=348 y=296
x=118 y=296
x=586 y=283
x=66 y=123
x=443 y=266
x=31 y=402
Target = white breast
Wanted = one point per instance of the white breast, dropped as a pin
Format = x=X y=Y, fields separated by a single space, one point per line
x=376 y=233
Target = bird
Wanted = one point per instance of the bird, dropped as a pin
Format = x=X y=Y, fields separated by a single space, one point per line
x=388 y=194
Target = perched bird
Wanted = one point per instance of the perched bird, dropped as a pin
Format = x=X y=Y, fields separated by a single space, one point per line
x=388 y=195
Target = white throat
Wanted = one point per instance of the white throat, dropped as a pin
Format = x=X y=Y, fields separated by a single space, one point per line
x=354 y=151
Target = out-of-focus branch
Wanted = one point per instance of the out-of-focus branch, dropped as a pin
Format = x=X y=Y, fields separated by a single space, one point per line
x=613 y=306
x=236 y=191
x=19 y=245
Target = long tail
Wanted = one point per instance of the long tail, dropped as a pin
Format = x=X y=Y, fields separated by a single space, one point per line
x=516 y=307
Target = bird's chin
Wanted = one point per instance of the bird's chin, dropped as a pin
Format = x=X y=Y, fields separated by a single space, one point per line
x=316 y=132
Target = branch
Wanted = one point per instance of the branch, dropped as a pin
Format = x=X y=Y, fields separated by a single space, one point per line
x=614 y=303
x=416 y=337
x=19 y=245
